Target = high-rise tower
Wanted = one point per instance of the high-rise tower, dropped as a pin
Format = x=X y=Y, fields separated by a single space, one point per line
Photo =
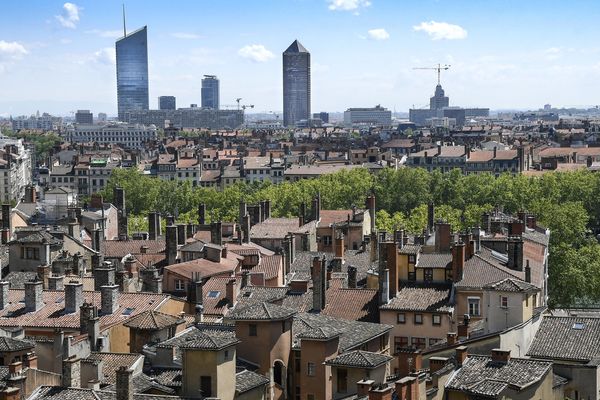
x=132 y=71
x=439 y=100
x=296 y=84
x=210 y=92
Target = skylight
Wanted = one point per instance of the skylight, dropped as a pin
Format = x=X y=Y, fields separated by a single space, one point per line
x=213 y=294
x=578 y=325
x=128 y=311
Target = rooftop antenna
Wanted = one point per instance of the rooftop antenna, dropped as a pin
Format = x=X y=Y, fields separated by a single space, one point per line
x=124 y=30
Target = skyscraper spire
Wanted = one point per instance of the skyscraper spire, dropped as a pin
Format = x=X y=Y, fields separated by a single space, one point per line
x=124 y=30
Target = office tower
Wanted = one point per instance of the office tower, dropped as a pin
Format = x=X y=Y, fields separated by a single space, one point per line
x=102 y=117
x=132 y=72
x=210 y=92
x=296 y=84
x=166 y=103
x=323 y=116
x=84 y=117
x=439 y=100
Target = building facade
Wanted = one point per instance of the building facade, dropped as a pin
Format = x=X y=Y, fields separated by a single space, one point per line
x=166 y=103
x=296 y=84
x=84 y=117
x=210 y=92
x=193 y=117
x=132 y=72
x=129 y=135
x=377 y=115
x=15 y=169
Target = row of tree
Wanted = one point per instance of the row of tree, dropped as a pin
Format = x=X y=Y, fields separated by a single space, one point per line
x=567 y=203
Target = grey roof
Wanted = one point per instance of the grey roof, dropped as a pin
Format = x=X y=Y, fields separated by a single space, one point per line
x=320 y=333
x=353 y=333
x=480 y=271
x=261 y=312
x=37 y=237
x=481 y=376
x=248 y=380
x=512 y=285
x=536 y=236
x=567 y=338
x=410 y=249
x=296 y=47
x=60 y=393
x=9 y=344
x=356 y=258
x=431 y=298
x=215 y=340
x=434 y=260
x=360 y=359
x=17 y=279
x=168 y=377
x=143 y=383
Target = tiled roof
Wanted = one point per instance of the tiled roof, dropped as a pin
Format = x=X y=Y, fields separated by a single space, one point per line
x=410 y=249
x=206 y=267
x=351 y=304
x=152 y=320
x=434 y=260
x=168 y=377
x=431 y=298
x=480 y=271
x=537 y=237
x=8 y=344
x=567 y=338
x=481 y=376
x=210 y=341
x=52 y=314
x=274 y=228
x=111 y=363
x=512 y=285
x=60 y=393
x=216 y=305
x=320 y=333
x=120 y=248
x=272 y=266
x=329 y=217
x=352 y=333
x=249 y=248
x=37 y=237
x=359 y=359
x=17 y=279
x=248 y=380
x=261 y=312
x=143 y=383
x=198 y=335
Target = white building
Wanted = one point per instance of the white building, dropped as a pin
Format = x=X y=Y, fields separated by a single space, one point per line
x=15 y=169
x=129 y=135
x=373 y=116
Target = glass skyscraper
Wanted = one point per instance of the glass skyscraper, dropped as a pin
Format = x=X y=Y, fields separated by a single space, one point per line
x=296 y=84
x=210 y=92
x=132 y=72
x=166 y=103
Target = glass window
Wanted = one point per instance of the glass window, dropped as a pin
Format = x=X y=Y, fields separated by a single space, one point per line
x=436 y=319
x=474 y=306
x=252 y=330
x=418 y=342
x=428 y=274
x=401 y=318
x=310 y=369
x=400 y=342
x=418 y=319
x=504 y=301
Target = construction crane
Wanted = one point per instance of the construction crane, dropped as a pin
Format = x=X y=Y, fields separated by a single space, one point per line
x=238 y=102
x=439 y=69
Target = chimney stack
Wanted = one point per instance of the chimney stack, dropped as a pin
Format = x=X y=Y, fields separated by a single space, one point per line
x=33 y=296
x=246 y=228
x=352 y=271
x=371 y=207
x=316 y=208
x=231 y=291
x=181 y=236
x=104 y=275
x=500 y=356
x=124 y=384
x=443 y=236
x=319 y=278
x=458 y=261
x=527 y=272
x=109 y=298
x=73 y=296
x=4 y=286
x=383 y=275
x=153 y=226
x=6 y=225
x=430 y=216
x=202 y=214
x=515 y=253
x=71 y=372
x=171 y=244
x=461 y=355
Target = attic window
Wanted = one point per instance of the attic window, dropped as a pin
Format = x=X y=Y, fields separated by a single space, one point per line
x=128 y=311
x=213 y=294
x=247 y=294
x=578 y=325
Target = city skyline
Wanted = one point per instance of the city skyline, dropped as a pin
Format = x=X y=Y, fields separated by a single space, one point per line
x=59 y=57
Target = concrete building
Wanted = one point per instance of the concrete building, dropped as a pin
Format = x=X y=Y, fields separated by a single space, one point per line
x=370 y=116
x=166 y=103
x=45 y=122
x=192 y=117
x=296 y=84
x=132 y=72
x=210 y=92
x=15 y=168
x=131 y=136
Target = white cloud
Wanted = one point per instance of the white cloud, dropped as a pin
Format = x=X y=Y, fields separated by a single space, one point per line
x=106 y=34
x=105 y=56
x=441 y=30
x=70 y=16
x=378 y=34
x=11 y=51
x=256 y=53
x=185 y=35
x=348 y=5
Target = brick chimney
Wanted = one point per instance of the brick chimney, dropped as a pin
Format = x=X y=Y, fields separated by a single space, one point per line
x=467 y=239
x=370 y=205
x=380 y=392
x=33 y=296
x=363 y=386
x=43 y=271
x=124 y=384
x=109 y=299
x=171 y=244
x=231 y=290
x=246 y=228
x=30 y=360
x=409 y=360
x=73 y=296
x=463 y=329
x=104 y=275
x=352 y=272
x=442 y=237
x=461 y=355
x=500 y=356
x=451 y=338
x=437 y=363
x=338 y=246
x=4 y=286
x=392 y=266
x=6 y=208
x=430 y=216
x=316 y=208
x=515 y=253
x=202 y=214
x=154 y=229
x=216 y=233
x=458 y=261
x=407 y=388
x=71 y=372
x=56 y=282
x=319 y=278
x=527 y=272
x=181 y=236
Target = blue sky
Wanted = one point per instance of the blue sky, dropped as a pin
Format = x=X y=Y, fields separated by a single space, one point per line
x=58 y=57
